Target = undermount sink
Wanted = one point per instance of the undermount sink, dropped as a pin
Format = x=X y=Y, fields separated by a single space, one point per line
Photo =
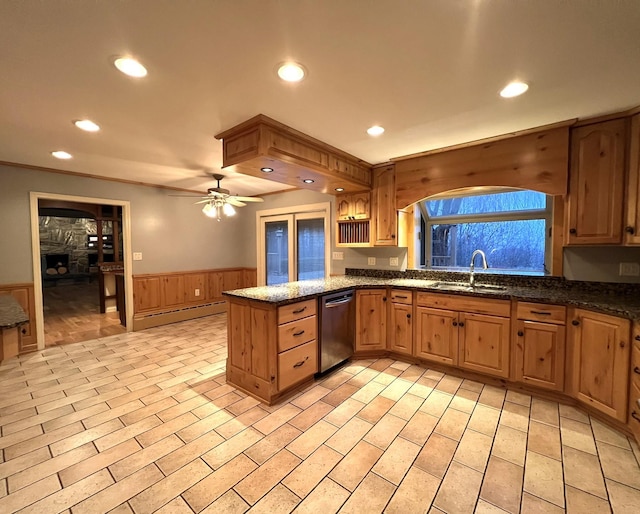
x=461 y=286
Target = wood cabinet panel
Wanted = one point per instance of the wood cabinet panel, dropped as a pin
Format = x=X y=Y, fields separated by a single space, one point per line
x=540 y=354
x=263 y=341
x=172 y=290
x=195 y=283
x=596 y=182
x=632 y=225
x=600 y=361
x=371 y=319
x=146 y=293
x=465 y=303
x=437 y=335
x=484 y=344
x=239 y=335
x=354 y=206
x=385 y=218
x=634 y=410
x=400 y=328
x=24 y=295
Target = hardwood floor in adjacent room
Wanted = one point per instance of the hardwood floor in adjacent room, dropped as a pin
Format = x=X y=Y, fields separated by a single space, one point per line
x=145 y=422
x=72 y=314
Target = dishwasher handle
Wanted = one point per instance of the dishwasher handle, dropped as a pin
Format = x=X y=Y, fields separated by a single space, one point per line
x=340 y=301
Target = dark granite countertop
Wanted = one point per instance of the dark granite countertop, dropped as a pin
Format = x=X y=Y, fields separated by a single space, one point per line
x=11 y=314
x=607 y=298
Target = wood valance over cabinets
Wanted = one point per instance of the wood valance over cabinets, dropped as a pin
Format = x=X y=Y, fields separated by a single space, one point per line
x=536 y=160
x=292 y=156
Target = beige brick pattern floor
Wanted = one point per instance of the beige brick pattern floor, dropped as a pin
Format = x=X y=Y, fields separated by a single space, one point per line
x=145 y=422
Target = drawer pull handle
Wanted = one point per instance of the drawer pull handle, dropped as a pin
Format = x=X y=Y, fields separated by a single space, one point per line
x=403 y=297
x=635 y=416
x=298 y=311
x=299 y=333
x=636 y=370
x=541 y=313
x=298 y=364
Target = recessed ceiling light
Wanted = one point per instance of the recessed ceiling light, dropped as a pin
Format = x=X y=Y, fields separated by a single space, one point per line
x=130 y=67
x=87 y=125
x=308 y=181
x=266 y=170
x=376 y=130
x=339 y=189
x=291 y=72
x=514 y=89
x=61 y=154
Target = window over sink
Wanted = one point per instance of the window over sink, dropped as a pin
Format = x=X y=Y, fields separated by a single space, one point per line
x=511 y=226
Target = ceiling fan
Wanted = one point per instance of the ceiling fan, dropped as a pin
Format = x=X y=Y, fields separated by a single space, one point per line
x=219 y=201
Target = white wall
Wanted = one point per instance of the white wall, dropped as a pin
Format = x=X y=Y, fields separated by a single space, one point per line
x=171 y=232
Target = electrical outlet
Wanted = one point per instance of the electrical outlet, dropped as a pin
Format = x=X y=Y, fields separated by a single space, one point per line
x=629 y=269
x=197 y=292
x=393 y=261
x=371 y=261
x=338 y=256
x=137 y=256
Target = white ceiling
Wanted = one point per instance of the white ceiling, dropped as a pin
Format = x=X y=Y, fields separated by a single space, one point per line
x=429 y=71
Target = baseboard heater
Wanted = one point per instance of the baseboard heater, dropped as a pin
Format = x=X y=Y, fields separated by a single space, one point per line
x=156 y=319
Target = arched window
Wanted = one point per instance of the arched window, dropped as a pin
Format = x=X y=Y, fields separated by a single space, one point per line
x=512 y=227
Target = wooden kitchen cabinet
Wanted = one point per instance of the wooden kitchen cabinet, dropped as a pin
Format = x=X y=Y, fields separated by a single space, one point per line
x=596 y=182
x=634 y=383
x=400 y=336
x=354 y=206
x=599 y=366
x=540 y=345
x=385 y=218
x=271 y=350
x=632 y=224
x=371 y=319
x=437 y=335
x=463 y=331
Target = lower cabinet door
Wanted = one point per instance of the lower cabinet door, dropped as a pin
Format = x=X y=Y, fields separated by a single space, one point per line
x=634 y=410
x=400 y=328
x=484 y=344
x=371 y=319
x=437 y=335
x=540 y=354
x=297 y=364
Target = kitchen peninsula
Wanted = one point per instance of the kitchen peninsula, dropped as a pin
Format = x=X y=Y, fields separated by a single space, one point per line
x=568 y=340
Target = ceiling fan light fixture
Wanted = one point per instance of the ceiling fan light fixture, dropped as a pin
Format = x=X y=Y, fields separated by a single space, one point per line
x=228 y=210
x=209 y=210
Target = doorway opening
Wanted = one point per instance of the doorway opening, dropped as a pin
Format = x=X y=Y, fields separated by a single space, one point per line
x=82 y=279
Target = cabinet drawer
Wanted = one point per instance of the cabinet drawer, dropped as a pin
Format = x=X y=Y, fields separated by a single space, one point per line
x=465 y=304
x=634 y=409
x=401 y=296
x=296 y=311
x=297 y=364
x=555 y=314
x=297 y=332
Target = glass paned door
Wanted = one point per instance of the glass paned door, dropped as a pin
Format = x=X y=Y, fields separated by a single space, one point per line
x=310 y=248
x=277 y=251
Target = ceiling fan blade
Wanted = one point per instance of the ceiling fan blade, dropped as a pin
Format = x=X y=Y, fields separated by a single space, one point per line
x=188 y=196
x=202 y=201
x=248 y=198
x=234 y=201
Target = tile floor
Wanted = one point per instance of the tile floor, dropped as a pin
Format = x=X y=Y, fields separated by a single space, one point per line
x=145 y=423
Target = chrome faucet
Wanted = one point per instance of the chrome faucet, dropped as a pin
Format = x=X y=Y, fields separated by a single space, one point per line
x=472 y=279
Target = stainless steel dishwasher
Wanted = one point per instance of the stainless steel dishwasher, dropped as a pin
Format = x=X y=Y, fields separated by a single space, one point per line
x=337 y=329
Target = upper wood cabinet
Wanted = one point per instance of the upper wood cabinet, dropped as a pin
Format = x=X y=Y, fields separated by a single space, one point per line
x=354 y=206
x=385 y=217
x=371 y=319
x=599 y=361
x=596 y=181
x=261 y=143
x=632 y=224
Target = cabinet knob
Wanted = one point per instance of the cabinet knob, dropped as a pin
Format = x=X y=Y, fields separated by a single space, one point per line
x=622 y=344
x=635 y=416
x=455 y=323
x=573 y=231
x=408 y=316
x=575 y=322
x=637 y=338
x=461 y=324
x=384 y=298
x=630 y=230
x=520 y=333
x=636 y=370
x=393 y=236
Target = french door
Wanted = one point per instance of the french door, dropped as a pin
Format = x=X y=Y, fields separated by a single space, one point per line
x=293 y=246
